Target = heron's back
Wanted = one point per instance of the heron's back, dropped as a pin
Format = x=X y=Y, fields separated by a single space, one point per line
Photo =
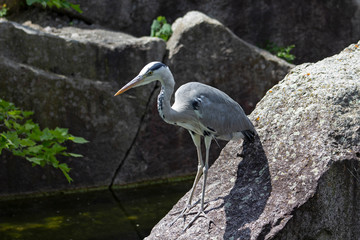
x=212 y=110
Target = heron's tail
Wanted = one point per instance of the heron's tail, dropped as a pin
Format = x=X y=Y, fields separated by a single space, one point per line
x=249 y=135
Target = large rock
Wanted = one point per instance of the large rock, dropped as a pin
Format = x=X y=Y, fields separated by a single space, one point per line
x=68 y=78
x=300 y=178
x=243 y=71
x=308 y=25
x=87 y=53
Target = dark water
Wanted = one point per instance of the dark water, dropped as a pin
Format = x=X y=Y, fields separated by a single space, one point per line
x=123 y=214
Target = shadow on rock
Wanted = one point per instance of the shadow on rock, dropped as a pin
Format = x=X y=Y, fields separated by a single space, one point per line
x=252 y=188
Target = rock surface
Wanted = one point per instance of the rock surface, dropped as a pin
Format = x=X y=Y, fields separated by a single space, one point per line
x=243 y=71
x=308 y=25
x=301 y=178
x=84 y=53
x=68 y=79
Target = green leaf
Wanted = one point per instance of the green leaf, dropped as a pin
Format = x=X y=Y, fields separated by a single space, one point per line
x=57 y=3
x=27 y=114
x=3 y=142
x=57 y=148
x=281 y=52
x=46 y=135
x=35 y=160
x=35 y=133
x=54 y=162
x=76 y=7
x=12 y=138
x=155 y=27
x=160 y=28
x=17 y=126
x=74 y=155
x=29 y=125
x=8 y=124
x=62 y=131
x=60 y=134
x=16 y=114
x=64 y=166
x=31 y=2
x=161 y=19
x=27 y=142
x=35 y=149
x=78 y=140
x=65 y=169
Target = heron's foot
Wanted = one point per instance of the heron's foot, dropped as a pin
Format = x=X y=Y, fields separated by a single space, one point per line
x=187 y=207
x=182 y=213
x=201 y=213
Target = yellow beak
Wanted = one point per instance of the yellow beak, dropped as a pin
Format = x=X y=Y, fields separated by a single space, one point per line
x=133 y=83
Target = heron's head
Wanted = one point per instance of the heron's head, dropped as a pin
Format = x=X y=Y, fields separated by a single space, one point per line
x=151 y=72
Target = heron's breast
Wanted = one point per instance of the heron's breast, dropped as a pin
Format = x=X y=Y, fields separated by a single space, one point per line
x=191 y=127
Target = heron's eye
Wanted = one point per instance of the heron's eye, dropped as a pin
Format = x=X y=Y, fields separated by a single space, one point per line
x=150 y=73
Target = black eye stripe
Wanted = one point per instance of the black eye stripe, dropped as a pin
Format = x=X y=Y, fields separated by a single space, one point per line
x=156 y=66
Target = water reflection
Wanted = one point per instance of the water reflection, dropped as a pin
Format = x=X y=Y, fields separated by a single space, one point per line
x=124 y=214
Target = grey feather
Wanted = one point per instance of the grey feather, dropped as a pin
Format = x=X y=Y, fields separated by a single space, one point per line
x=207 y=107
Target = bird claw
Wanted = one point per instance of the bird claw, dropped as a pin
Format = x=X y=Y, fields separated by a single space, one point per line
x=182 y=213
x=188 y=207
x=198 y=214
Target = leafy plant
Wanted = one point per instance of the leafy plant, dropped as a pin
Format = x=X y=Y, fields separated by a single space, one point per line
x=24 y=138
x=281 y=52
x=3 y=10
x=160 y=28
x=56 y=3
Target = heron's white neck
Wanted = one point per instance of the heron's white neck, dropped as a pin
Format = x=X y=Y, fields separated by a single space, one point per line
x=167 y=89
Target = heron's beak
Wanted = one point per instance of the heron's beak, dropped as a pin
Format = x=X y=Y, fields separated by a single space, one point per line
x=133 y=83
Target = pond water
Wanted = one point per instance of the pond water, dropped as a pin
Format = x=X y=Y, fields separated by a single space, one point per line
x=124 y=214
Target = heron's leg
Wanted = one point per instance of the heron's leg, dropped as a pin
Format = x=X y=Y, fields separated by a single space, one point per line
x=207 y=140
x=197 y=141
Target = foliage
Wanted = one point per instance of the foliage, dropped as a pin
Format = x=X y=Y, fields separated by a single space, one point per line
x=21 y=136
x=56 y=3
x=160 y=28
x=281 y=52
x=3 y=10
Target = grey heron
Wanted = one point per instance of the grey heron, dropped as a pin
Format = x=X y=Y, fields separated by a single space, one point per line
x=201 y=109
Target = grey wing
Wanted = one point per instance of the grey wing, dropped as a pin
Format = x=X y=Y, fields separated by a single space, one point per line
x=215 y=110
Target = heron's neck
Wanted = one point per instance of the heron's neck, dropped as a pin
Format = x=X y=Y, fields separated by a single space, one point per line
x=164 y=106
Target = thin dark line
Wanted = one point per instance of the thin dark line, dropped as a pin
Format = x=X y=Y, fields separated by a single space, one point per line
x=134 y=140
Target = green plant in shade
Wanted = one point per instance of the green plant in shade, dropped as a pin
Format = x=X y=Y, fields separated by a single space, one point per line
x=160 y=28
x=56 y=3
x=24 y=138
x=3 y=10
x=281 y=52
